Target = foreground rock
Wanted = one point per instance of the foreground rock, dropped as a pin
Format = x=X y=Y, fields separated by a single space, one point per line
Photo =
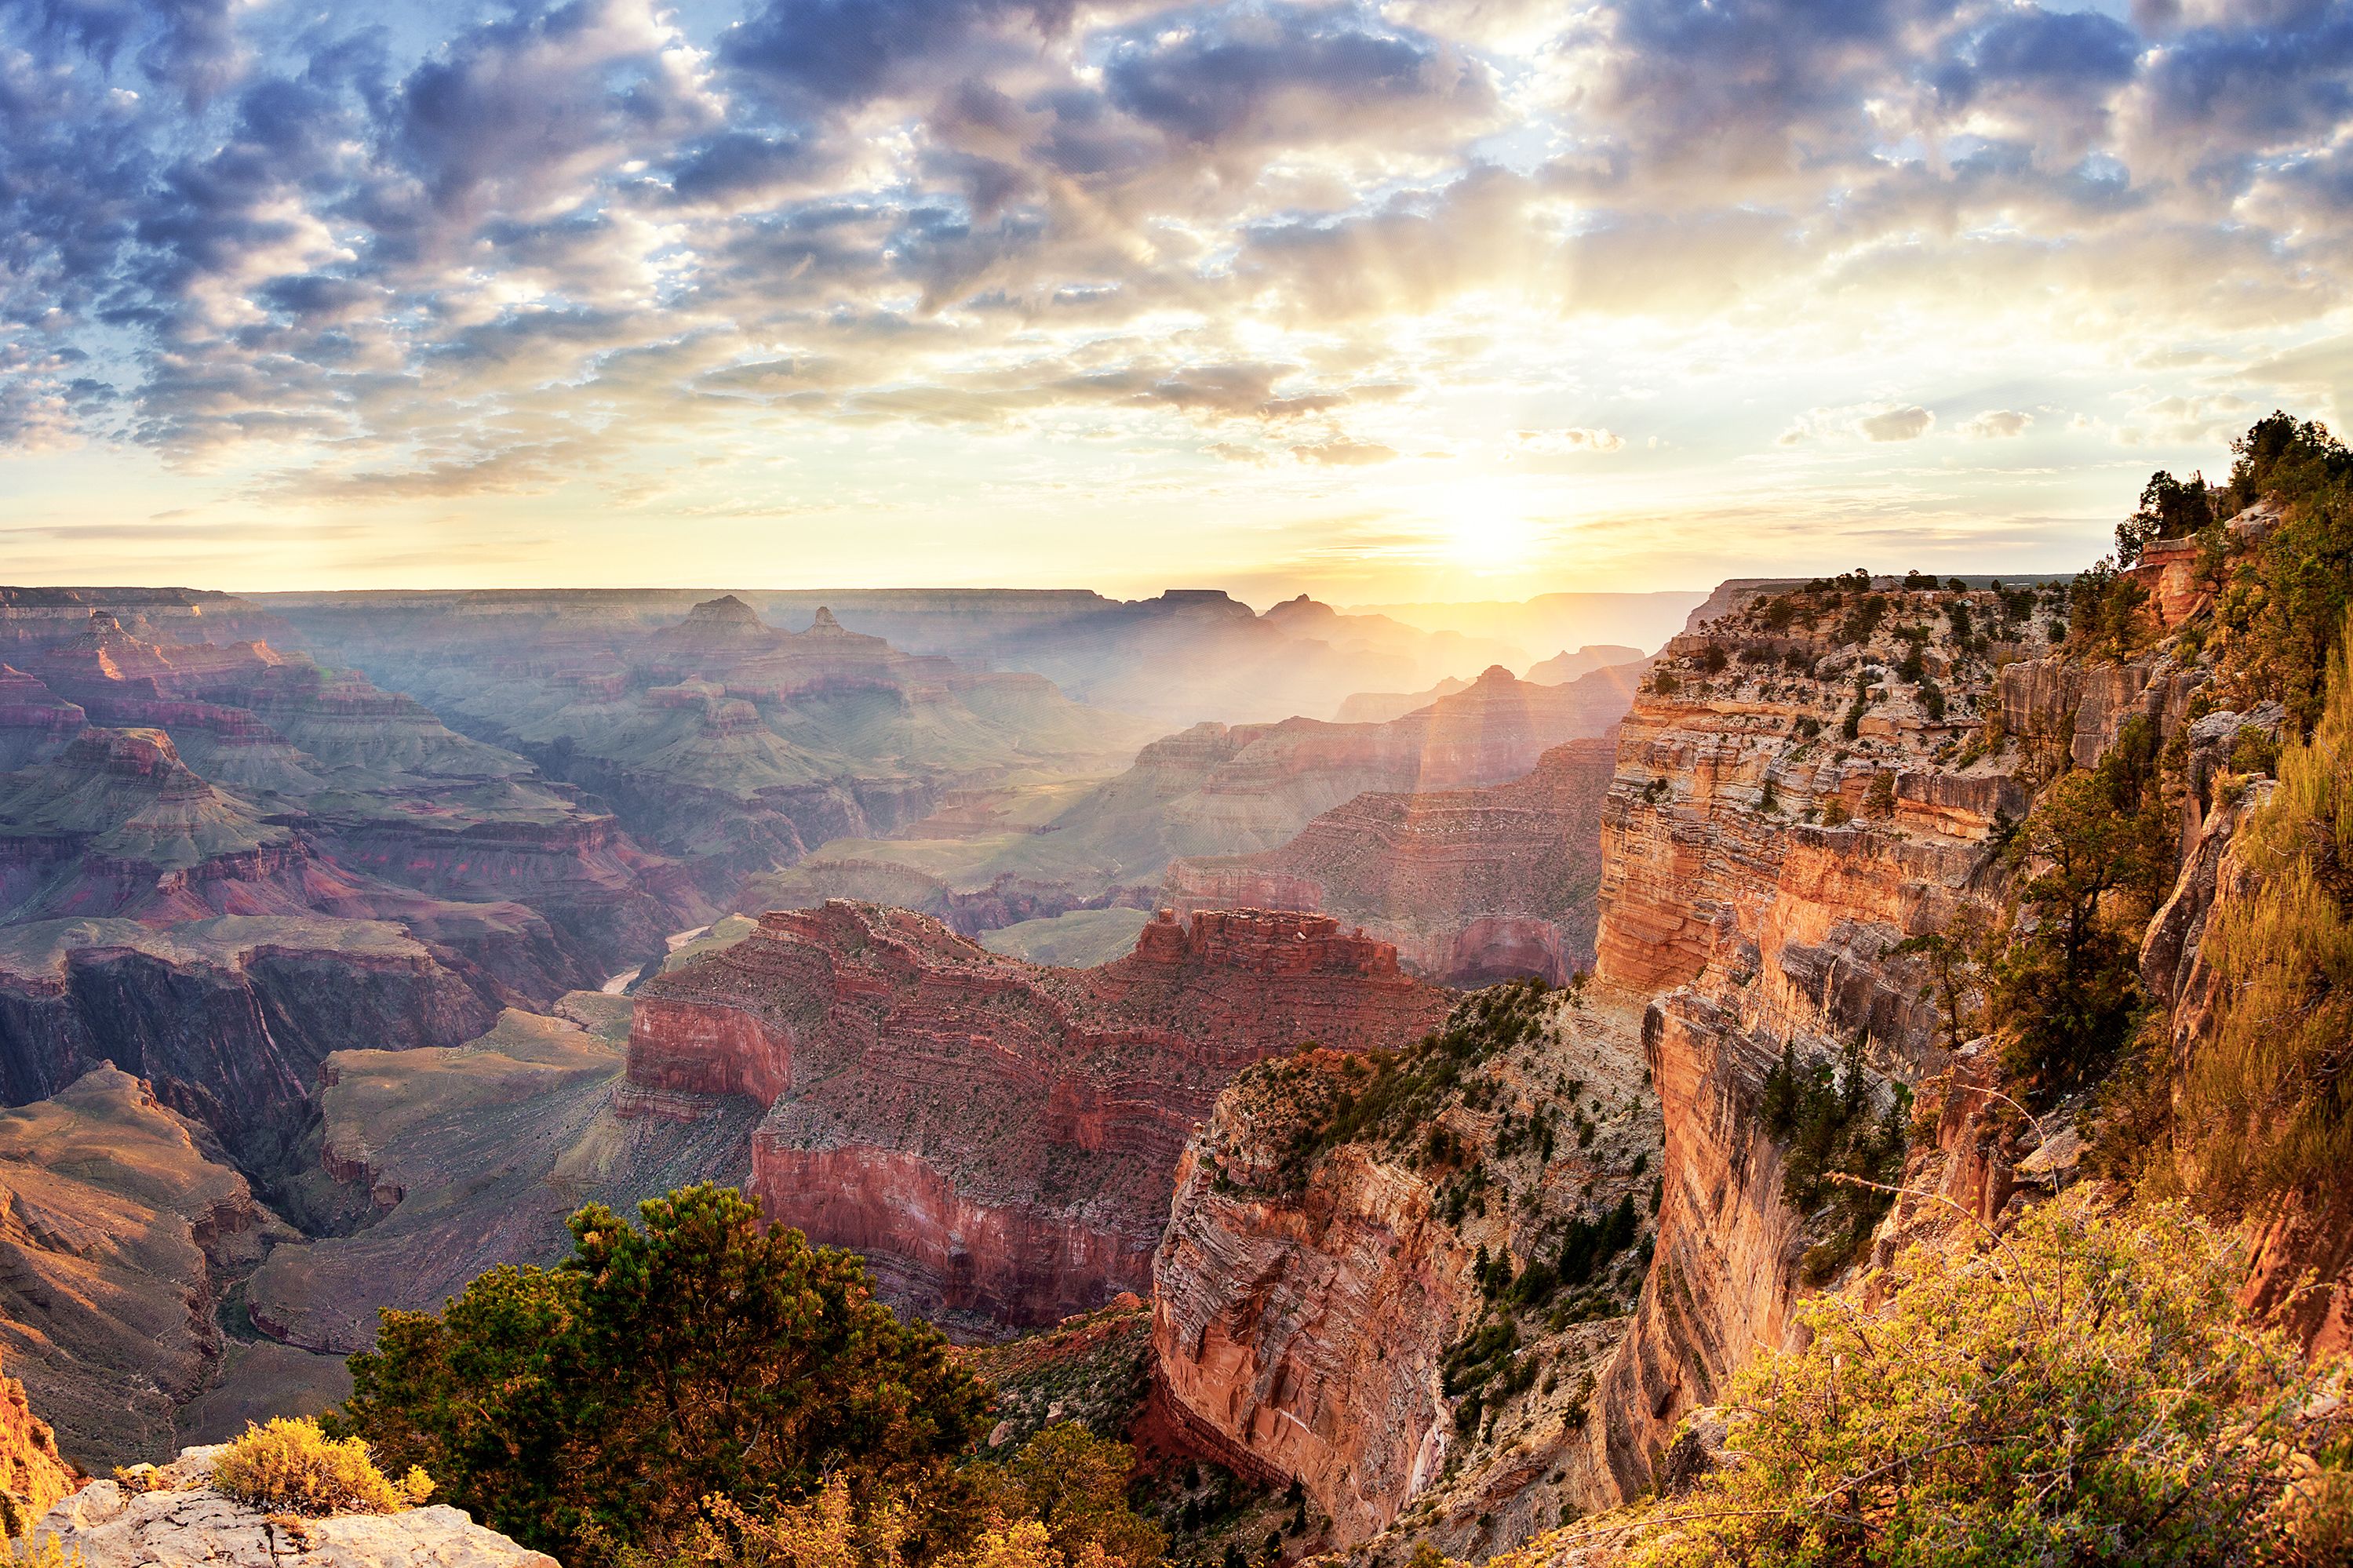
x=185 y=1520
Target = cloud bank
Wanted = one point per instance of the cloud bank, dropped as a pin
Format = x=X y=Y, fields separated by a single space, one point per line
x=414 y=253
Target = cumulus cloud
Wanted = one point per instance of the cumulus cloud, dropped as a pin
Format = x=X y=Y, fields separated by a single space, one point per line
x=1906 y=424
x=1997 y=425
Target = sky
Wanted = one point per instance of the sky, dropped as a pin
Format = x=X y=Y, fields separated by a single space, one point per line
x=1380 y=302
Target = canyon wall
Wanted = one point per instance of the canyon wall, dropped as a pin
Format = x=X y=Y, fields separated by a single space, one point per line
x=120 y=1236
x=1804 y=786
x=1471 y=886
x=1387 y=1284
x=1763 y=858
x=996 y=1136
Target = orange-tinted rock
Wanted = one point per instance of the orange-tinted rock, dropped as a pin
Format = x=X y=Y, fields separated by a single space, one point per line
x=996 y=1136
x=33 y=1474
x=1471 y=886
x=1301 y=1316
x=1759 y=927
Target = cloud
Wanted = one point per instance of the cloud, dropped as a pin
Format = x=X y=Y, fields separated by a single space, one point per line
x=405 y=252
x=1340 y=452
x=1906 y=424
x=1294 y=75
x=1557 y=443
x=1997 y=425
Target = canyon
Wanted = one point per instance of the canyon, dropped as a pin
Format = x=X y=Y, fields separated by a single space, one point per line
x=1797 y=792
x=1463 y=1267
x=1217 y=789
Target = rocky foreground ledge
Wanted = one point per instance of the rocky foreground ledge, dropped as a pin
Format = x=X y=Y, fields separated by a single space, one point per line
x=183 y=1520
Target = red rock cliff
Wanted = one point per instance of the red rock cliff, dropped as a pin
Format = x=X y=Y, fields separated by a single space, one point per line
x=998 y=1137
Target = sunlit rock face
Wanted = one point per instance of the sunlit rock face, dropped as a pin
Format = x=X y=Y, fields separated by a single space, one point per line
x=1471 y=885
x=1310 y=1286
x=1760 y=865
x=998 y=1137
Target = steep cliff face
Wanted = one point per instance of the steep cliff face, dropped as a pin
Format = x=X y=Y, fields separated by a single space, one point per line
x=1395 y=1282
x=996 y=1136
x=1471 y=886
x=228 y=1018
x=33 y=1474
x=1783 y=817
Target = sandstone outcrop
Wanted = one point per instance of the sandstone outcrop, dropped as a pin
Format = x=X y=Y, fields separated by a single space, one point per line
x=1780 y=823
x=1407 y=1317
x=33 y=1474
x=1471 y=886
x=997 y=1137
x=182 y=1520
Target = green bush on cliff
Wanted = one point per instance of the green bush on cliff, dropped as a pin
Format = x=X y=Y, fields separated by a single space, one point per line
x=2066 y=988
x=588 y=1410
x=2266 y=1110
x=2083 y=1392
x=1824 y=1120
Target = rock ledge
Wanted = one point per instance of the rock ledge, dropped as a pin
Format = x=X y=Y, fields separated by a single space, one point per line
x=186 y=1521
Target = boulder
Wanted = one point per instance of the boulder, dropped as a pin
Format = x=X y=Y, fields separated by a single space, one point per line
x=182 y=1520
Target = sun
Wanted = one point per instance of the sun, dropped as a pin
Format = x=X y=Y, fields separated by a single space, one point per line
x=1485 y=528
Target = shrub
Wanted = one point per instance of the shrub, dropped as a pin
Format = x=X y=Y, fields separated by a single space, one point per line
x=1824 y=1117
x=2066 y=989
x=291 y=1465
x=2084 y=1392
x=1713 y=660
x=1075 y=1484
x=2254 y=750
x=588 y=1410
x=2267 y=1108
x=1878 y=800
x=2169 y=509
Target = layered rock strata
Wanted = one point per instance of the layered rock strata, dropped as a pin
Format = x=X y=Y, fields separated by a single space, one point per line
x=1809 y=793
x=1408 y=1314
x=1473 y=886
x=1796 y=793
x=996 y=1136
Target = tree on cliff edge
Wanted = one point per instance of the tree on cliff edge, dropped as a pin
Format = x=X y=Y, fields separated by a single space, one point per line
x=588 y=1410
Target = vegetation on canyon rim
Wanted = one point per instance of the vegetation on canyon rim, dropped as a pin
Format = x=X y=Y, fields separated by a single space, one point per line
x=705 y=1389
x=2083 y=1392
